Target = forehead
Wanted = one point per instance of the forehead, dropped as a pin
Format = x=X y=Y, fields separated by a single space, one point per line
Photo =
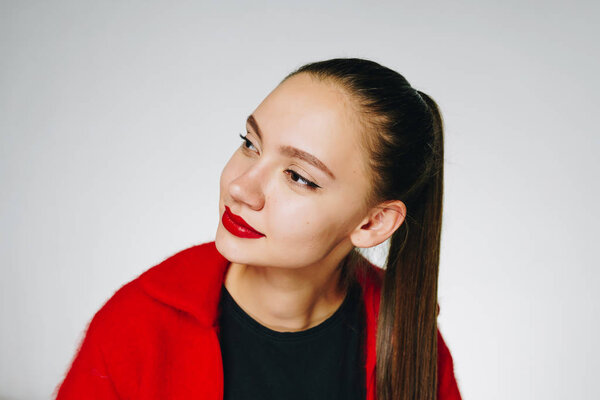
x=315 y=116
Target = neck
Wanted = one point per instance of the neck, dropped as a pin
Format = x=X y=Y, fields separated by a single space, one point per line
x=288 y=299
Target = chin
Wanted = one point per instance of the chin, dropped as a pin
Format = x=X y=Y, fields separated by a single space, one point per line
x=231 y=247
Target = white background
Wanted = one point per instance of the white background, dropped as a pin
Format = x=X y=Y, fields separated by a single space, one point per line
x=116 y=118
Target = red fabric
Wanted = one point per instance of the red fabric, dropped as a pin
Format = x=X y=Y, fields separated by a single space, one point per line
x=156 y=337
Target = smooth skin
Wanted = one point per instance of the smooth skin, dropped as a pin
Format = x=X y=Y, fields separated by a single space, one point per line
x=287 y=280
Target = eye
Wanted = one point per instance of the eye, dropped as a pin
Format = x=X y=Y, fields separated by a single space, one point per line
x=247 y=143
x=300 y=180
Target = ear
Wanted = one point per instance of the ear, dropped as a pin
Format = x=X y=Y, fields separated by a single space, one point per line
x=379 y=224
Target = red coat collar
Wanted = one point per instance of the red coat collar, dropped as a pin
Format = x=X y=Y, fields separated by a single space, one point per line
x=191 y=281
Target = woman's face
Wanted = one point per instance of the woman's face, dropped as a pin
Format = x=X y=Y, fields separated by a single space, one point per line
x=299 y=179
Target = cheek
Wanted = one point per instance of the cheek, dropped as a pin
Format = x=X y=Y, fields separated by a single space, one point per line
x=304 y=221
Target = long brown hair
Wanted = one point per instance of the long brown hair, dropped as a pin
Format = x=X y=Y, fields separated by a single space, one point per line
x=404 y=137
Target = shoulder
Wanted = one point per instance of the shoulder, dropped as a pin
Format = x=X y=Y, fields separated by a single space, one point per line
x=155 y=295
x=133 y=329
x=163 y=302
x=447 y=383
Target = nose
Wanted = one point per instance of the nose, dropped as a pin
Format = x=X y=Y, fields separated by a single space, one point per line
x=247 y=188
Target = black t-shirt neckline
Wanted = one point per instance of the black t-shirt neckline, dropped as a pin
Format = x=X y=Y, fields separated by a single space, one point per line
x=316 y=330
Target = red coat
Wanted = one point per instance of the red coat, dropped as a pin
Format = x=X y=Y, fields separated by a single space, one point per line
x=156 y=337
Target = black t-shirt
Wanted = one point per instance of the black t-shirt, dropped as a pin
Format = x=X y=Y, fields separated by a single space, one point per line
x=322 y=362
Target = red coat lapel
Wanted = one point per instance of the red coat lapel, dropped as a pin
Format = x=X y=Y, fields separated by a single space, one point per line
x=189 y=281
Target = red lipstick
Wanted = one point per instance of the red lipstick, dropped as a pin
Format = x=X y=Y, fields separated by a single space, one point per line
x=238 y=227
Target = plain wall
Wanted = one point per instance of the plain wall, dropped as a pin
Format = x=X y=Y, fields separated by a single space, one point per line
x=116 y=118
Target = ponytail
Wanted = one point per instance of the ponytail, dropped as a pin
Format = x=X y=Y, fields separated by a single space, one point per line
x=407 y=327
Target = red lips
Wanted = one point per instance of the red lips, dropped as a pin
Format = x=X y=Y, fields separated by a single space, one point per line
x=238 y=227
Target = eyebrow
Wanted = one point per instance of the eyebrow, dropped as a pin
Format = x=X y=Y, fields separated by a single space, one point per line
x=293 y=152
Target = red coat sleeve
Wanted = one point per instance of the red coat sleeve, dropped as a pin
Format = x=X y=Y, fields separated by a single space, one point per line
x=447 y=385
x=88 y=377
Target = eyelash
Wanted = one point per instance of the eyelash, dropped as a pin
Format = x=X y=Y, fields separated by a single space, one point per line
x=246 y=140
x=291 y=173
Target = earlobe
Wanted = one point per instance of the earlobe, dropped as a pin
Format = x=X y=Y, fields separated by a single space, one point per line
x=382 y=221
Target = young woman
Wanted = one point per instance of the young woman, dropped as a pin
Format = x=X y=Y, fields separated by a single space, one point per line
x=343 y=154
